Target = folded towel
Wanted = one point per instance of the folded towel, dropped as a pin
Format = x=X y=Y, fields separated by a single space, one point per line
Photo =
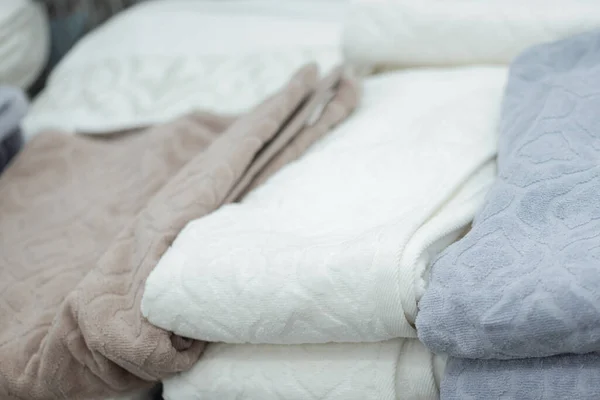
x=90 y=217
x=24 y=42
x=524 y=282
x=13 y=107
x=392 y=33
x=547 y=378
x=391 y=370
x=221 y=56
x=335 y=247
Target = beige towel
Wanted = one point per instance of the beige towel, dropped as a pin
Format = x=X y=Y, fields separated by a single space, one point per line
x=83 y=221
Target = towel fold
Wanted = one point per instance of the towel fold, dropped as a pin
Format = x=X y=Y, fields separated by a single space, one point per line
x=334 y=248
x=90 y=217
x=548 y=378
x=392 y=370
x=403 y=33
x=524 y=281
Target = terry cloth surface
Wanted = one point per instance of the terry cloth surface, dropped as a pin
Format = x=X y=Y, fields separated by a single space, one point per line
x=90 y=217
x=390 y=370
x=548 y=378
x=524 y=282
x=335 y=247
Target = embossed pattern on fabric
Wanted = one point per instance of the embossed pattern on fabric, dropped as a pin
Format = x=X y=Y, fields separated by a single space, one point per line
x=549 y=378
x=323 y=252
x=140 y=93
x=219 y=56
x=88 y=220
x=390 y=370
x=525 y=281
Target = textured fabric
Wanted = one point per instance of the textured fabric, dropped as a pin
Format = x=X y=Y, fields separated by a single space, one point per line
x=13 y=106
x=221 y=56
x=24 y=42
x=324 y=252
x=392 y=370
x=88 y=220
x=400 y=33
x=524 y=282
x=547 y=378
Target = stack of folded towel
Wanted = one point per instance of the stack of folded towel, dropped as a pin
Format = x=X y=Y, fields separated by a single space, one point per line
x=89 y=217
x=322 y=266
x=287 y=253
x=524 y=282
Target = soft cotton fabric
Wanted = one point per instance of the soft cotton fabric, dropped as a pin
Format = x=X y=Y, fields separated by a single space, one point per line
x=392 y=370
x=401 y=33
x=160 y=59
x=548 y=378
x=524 y=282
x=335 y=247
x=84 y=220
x=24 y=42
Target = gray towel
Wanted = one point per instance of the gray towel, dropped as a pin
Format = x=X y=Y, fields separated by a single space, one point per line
x=573 y=377
x=525 y=282
x=13 y=106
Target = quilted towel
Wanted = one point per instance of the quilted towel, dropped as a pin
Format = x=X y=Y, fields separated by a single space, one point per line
x=334 y=248
x=391 y=370
x=90 y=217
x=222 y=56
x=525 y=281
x=548 y=378
x=401 y=33
x=13 y=106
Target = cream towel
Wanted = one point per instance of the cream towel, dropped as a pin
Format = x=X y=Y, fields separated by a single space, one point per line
x=335 y=247
x=401 y=33
x=395 y=369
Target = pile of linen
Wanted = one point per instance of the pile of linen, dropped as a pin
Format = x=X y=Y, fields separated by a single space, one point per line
x=524 y=282
x=85 y=219
x=322 y=266
x=311 y=285
x=334 y=242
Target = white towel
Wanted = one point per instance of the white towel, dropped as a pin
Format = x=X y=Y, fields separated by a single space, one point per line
x=24 y=42
x=395 y=369
x=334 y=248
x=392 y=33
x=160 y=59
